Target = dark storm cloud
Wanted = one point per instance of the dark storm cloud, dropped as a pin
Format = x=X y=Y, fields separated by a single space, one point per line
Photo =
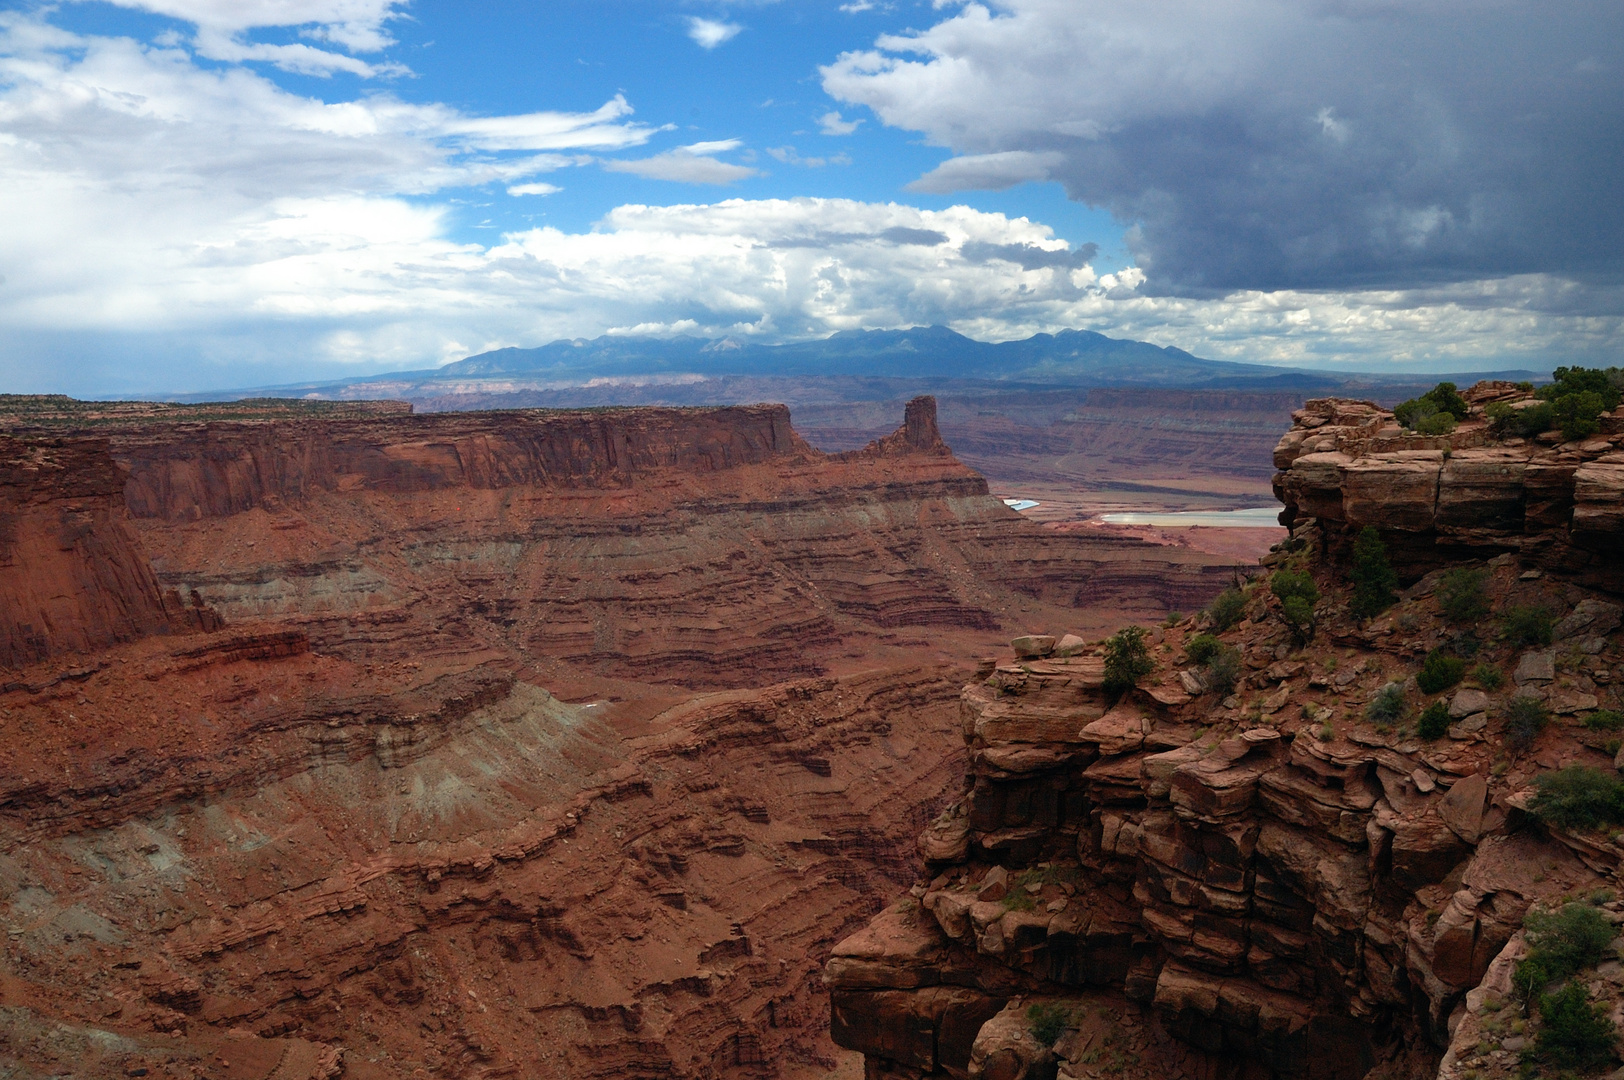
x=1030 y=256
x=1277 y=145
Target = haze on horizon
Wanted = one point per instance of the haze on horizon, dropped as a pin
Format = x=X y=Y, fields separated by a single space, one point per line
x=203 y=194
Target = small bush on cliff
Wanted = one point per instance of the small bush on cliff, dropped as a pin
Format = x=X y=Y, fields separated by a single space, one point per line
x=1388 y=706
x=1488 y=677
x=1442 y=400
x=1579 y=396
x=1297 y=595
x=1461 y=594
x=1561 y=943
x=1529 y=624
x=1434 y=721
x=1439 y=671
x=1047 y=1021
x=1575 y=1034
x=1200 y=648
x=1227 y=609
x=1127 y=659
x=1224 y=669
x=1371 y=575
x=1505 y=421
x=1579 y=797
x=1525 y=719
x=1604 y=720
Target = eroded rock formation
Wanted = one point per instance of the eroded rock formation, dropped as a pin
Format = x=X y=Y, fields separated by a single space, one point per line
x=1556 y=504
x=531 y=744
x=1270 y=879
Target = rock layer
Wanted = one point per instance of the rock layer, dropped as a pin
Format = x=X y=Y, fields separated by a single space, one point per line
x=1348 y=464
x=1264 y=880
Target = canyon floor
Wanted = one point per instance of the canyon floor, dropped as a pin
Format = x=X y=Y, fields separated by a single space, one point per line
x=337 y=739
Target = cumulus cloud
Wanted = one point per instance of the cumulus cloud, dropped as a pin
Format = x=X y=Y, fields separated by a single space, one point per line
x=692 y=164
x=222 y=26
x=709 y=33
x=534 y=189
x=1285 y=143
x=832 y=123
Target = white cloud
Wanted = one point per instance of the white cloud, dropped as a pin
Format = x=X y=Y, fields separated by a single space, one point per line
x=709 y=33
x=788 y=156
x=222 y=25
x=534 y=189
x=692 y=164
x=831 y=123
x=987 y=172
x=857 y=6
x=1284 y=143
x=236 y=233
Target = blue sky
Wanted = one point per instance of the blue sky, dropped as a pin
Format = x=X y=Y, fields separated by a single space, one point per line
x=203 y=194
x=760 y=86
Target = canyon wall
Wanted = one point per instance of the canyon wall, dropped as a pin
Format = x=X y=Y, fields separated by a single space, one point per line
x=1270 y=878
x=711 y=547
x=73 y=577
x=523 y=744
x=1556 y=504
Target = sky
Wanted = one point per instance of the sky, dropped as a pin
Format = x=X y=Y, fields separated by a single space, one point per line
x=206 y=194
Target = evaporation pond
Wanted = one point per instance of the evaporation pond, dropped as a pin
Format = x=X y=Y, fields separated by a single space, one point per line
x=1257 y=517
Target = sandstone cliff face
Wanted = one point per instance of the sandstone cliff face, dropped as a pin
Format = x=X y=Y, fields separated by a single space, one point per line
x=711 y=546
x=73 y=576
x=1262 y=882
x=1347 y=464
x=448 y=794
x=439 y=868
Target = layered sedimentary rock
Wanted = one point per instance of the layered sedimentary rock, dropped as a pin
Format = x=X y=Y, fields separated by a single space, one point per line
x=242 y=854
x=530 y=744
x=1265 y=880
x=73 y=577
x=701 y=546
x=1348 y=464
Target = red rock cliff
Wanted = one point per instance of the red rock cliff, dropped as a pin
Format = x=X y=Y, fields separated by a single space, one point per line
x=72 y=575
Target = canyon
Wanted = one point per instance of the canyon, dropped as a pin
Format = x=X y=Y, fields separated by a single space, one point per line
x=1280 y=871
x=342 y=740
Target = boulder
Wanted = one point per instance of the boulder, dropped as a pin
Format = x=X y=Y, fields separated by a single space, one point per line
x=1070 y=645
x=1539 y=666
x=1466 y=702
x=995 y=886
x=1462 y=808
x=1591 y=618
x=1033 y=646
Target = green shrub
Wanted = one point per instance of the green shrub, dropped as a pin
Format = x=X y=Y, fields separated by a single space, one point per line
x=1127 y=659
x=1461 y=595
x=1297 y=595
x=1578 y=397
x=1439 y=423
x=1388 y=706
x=1227 y=608
x=1604 y=720
x=1434 y=720
x=1525 y=422
x=1561 y=943
x=1488 y=677
x=1574 y=1033
x=1224 y=669
x=1199 y=649
x=1047 y=1021
x=1372 y=576
x=1442 y=400
x=1525 y=719
x=1579 y=797
x=1529 y=624
x=1439 y=671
